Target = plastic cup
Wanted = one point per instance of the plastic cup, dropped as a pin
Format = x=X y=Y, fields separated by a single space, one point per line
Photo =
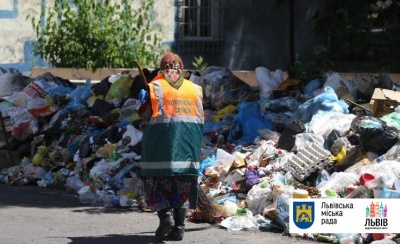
x=366 y=177
x=377 y=192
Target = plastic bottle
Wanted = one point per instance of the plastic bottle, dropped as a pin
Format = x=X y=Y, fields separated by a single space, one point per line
x=122 y=201
x=117 y=201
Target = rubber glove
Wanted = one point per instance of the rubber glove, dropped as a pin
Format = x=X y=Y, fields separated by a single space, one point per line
x=143 y=96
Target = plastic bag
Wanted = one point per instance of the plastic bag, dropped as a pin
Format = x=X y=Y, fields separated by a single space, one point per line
x=247 y=122
x=221 y=88
x=303 y=140
x=100 y=168
x=74 y=183
x=375 y=135
x=312 y=86
x=288 y=136
x=251 y=178
x=245 y=221
x=282 y=105
x=207 y=162
x=338 y=180
x=23 y=123
x=321 y=123
x=326 y=101
x=258 y=198
x=131 y=137
x=368 y=126
x=86 y=196
x=10 y=82
x=80 y=95
x=392 y=119
x=386 y=172
x=282 y=211
x=40 y=107
x=120 y=86
x=267 y=81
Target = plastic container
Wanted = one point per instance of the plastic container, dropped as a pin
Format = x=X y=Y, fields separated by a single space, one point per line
x=366 y=177
x=377 y=192
x=300 y=193
x=118 y=201
x=396 y=184
x=229 y=208
x=378 y=236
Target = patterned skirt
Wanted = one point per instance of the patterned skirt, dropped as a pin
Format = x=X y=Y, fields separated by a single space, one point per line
x=170 y=192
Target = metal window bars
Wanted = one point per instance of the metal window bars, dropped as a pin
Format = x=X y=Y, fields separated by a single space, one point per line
x=200 y=25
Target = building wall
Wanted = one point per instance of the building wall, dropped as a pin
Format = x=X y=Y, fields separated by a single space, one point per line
x=256 y=33
x=16 y=33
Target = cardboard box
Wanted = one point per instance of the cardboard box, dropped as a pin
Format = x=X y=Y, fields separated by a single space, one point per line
x=384 y=101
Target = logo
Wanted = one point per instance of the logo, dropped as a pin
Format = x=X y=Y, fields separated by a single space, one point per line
x=303 y=214
x=376 y=210
x=376 y=216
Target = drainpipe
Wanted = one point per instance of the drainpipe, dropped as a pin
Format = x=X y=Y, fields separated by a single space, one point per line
x=292 y=53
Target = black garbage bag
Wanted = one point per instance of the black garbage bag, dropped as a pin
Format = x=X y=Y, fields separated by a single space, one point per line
x=102 y=87
x=381 y=143
x=84 y=148
x=101 y=108
x=113 y=134
x=222 y=88
x=332 y=137
x=368 y=126
x=138 y=83
x=375 y=135
x=288 y=136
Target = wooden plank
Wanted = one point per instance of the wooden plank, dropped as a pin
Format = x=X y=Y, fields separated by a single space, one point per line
x=247 y=76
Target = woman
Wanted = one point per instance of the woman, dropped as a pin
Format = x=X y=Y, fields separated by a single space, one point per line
x=171 y=145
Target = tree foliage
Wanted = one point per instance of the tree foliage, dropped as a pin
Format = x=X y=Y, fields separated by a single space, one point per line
x=367 y=30
x=98 y=34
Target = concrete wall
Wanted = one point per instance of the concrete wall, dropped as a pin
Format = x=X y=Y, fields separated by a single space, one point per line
x=16 y=33
x=257 y=34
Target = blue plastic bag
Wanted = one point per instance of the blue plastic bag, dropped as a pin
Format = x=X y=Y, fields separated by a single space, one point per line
x=207 y=162
x=326 y=101
x=247 y=123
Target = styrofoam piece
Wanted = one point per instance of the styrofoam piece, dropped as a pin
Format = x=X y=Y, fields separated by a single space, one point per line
x=308 y=160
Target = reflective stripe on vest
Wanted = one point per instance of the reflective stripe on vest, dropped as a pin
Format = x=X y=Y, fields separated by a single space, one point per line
x=171 y=165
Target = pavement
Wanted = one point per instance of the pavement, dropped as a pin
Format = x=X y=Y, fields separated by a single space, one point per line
x=31 y=214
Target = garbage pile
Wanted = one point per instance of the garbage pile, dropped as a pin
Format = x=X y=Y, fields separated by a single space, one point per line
x=261 y=147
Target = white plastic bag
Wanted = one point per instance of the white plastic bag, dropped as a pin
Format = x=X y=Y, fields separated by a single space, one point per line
x=257 y=198
x=321 y=123
x=132 y=136
x=268 y=81
x=338 y=180
x=306 y=139
x=86 y=196
x=74 y=183
x=240 y=222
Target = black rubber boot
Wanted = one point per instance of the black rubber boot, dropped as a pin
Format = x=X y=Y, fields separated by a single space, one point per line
x=166 y=222
x=178 y=231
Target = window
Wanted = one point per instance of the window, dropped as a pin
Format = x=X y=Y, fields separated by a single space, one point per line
x=200 y=24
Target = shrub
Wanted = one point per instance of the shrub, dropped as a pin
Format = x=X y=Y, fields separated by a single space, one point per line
x=97 y=34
